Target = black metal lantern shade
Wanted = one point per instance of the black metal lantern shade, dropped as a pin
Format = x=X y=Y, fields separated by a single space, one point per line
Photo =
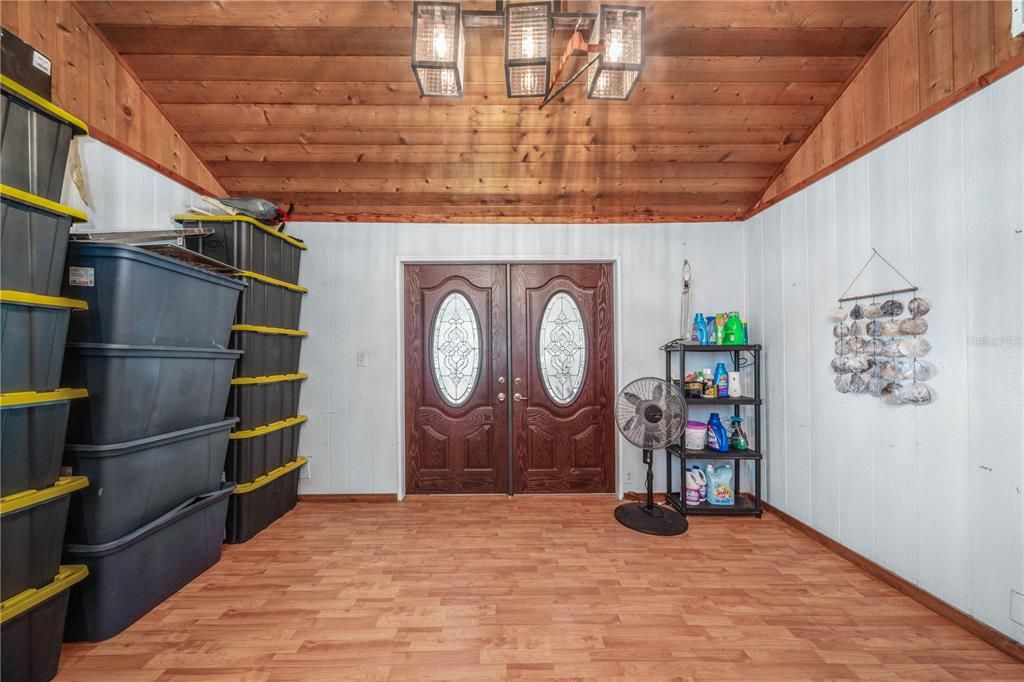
x=620 y=31
x=438 y=48
x=527 y=49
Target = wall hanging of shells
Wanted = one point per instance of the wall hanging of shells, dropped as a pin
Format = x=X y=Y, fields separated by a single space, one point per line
x=880 y=344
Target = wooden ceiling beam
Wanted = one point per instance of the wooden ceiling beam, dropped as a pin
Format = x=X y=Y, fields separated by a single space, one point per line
x=408 y=94
x=410 y=201
x=352 y=41
x=481 y=69
x=332 y=13
x=491 y=136
x=552 y=153
x=521 y=117
x=487 y=185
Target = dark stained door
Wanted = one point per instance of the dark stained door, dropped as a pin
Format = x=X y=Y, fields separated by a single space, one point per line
x=456 y=414
x=563 y=383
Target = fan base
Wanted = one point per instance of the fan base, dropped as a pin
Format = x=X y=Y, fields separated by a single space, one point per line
x=659 y=521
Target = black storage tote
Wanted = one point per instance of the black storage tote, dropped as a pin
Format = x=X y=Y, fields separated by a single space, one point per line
x=32 y=628
x=256 y=505
x=36 y=137
x=137 y=297
x=246 y=244
x=33 y=241
x=266 y=351
x=131 y=575
x=33 y=330
x=269 y=302
x=259 y=451
x=31 y=533
x=32 y=427
x=258 y=401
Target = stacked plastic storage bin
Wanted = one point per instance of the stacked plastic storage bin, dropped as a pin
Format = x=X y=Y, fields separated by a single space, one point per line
x=153 y=352
x=263 y=457
x=34 y=497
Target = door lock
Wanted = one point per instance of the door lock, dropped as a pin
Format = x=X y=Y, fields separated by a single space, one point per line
x=518 y=396
x=518 y=381
x=501 y=397
x=501 y=380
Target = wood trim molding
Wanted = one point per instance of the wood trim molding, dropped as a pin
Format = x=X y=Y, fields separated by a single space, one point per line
x=984 y=632
x=347 y=498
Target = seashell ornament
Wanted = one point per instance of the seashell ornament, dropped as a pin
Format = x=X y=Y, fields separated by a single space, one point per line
x=840 y=329
x=837 y=314
x=915 y=394
x=856 y=313
x=892 y=308
x=915 y=347
x=873 y=311
x=890 y=328
x=912 y=326
x=918 y=307
x=891 y=394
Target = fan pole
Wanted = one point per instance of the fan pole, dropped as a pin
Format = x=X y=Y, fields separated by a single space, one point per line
x=649 y=461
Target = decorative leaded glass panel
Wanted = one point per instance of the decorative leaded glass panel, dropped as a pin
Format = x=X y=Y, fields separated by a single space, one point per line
x=563 y=349
x=455 y=349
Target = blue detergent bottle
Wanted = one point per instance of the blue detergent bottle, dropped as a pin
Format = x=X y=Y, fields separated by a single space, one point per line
x=722 y=380
x=700 y=330
x=718 y=439
x=712 y=330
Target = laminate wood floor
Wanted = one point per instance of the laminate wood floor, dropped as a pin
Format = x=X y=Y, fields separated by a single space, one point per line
x=479 y=588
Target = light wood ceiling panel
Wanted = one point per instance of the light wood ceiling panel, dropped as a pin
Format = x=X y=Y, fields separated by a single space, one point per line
x=315 y=102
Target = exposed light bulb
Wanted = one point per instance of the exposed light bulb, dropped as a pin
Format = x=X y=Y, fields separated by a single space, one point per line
x=440 y=44
x=528 y=82
x=528 y=46
x=615 y=46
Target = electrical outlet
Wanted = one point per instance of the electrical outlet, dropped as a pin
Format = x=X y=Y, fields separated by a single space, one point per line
x=305 y=471
x=1017 y=607
x=361 y=359
x=629 y=477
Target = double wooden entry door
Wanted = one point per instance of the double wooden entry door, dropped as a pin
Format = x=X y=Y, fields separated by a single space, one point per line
x=509 y=378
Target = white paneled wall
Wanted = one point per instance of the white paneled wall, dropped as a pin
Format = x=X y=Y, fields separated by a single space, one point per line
x=353 y=273
x=124 y=194
x=935 y=493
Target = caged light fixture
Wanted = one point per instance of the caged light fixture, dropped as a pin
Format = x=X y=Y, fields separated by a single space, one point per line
x=438 y=48
x=615 y=50
x=527 y=49
x=616 y=70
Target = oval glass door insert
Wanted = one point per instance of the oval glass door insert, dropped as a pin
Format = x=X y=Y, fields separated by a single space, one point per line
x=455 y=349
x=562 y=349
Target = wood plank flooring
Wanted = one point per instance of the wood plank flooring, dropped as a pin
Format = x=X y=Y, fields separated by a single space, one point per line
x=479 y=588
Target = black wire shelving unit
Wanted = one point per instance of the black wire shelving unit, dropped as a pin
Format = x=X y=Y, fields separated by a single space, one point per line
x=745 y=505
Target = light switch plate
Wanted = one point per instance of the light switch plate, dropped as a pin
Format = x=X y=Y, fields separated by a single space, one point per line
x=305 y=471
x=1017 y=22
x=361 y=359
x=1017 y=607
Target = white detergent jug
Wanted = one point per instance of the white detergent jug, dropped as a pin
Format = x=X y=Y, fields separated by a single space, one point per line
x=702 y=480
x=692 y=489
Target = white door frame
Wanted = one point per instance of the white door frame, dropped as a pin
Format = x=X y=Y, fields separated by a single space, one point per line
x=402 y=261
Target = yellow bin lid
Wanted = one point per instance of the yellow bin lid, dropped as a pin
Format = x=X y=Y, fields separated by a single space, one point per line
x=23 y=197
x=267 y=330
x=25 y=298
x=65 y=485
x=44 y=104
x=273 y=379
x=31 y=598
x=198 y=217
x=268 y=477
x=24 y=398
x=267 y=428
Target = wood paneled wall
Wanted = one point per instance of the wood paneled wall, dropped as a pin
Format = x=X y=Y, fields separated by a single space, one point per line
x=91 y=82
x=939 y=52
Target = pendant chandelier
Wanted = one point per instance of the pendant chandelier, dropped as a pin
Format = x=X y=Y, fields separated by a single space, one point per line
x=614 y=50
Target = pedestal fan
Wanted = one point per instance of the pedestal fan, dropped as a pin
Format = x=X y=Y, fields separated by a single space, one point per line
x=650 y=414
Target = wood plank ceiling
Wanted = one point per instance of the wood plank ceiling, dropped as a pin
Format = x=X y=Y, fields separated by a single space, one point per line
x=315 y=103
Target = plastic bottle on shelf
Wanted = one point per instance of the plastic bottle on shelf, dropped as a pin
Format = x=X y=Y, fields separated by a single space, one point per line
x=722 y=380
x=692 y=489
x=712 y=330
x=737 y=439
x=702 y=481
x=700 y=330
x=718 y=439
x=732 y=334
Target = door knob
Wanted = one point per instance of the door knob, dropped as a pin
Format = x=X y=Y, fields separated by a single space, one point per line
x=518 y=396
x=501 y=380
x=518 y=381
x=501 y=397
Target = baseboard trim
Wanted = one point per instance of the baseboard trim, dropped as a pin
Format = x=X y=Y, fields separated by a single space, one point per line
x=346 y=498
x=984 y=632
